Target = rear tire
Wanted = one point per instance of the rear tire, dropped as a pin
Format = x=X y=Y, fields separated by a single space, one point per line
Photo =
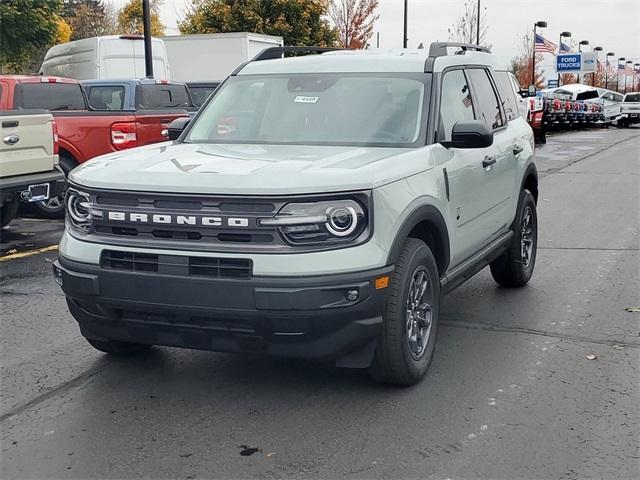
x=407 y=341
x=54 y=207
x=514 y=268
x=115 y=347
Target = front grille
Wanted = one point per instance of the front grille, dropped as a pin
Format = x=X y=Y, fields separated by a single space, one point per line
x=133 y=262
x=181 y=221
x=211 y=267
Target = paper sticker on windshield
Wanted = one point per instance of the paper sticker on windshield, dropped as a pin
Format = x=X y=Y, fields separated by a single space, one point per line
x=303 y=99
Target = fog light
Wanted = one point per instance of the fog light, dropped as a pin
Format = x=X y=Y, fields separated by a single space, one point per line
x=352 y=295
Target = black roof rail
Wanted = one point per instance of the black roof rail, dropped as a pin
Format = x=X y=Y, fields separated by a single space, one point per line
x=439 y=49
x=279 y=52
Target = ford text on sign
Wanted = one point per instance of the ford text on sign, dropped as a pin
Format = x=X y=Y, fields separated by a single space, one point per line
x=568 y=63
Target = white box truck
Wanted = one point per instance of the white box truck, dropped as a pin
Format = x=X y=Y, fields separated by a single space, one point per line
x=105 y=58
x=213 y=56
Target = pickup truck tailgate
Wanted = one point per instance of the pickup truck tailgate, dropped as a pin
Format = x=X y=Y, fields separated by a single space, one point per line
x=26 y=144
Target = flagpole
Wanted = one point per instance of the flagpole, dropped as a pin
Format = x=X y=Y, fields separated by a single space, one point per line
x=541 y=24
x=565 y=35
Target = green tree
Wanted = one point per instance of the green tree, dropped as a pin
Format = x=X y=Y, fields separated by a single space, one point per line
x=130 y=18
x=26 y=28
x=89 y=18
x=299 y=22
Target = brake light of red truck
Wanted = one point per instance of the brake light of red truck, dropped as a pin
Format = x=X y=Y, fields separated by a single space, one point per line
x=48 y=80
x=123 y=135
x=56 y=144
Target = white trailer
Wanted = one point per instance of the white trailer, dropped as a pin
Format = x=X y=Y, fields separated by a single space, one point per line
x=211 y=57
x=105 y=58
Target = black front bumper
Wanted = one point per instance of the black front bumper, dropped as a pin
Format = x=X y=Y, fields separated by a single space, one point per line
x=308 y=317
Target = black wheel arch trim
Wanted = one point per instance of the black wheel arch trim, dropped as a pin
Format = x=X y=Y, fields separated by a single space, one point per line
x=530 y=170
x=420 y=214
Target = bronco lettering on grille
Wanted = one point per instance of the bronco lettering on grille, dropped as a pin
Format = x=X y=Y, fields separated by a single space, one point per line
x=166 y=219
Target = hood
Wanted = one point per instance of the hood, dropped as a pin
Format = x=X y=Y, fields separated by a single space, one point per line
x=236 y=169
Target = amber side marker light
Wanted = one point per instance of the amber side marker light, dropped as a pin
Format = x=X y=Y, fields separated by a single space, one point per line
x=382 y=282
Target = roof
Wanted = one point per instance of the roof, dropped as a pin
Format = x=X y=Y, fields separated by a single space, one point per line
x=375 y=60
x=38 y=79
x=133 y=81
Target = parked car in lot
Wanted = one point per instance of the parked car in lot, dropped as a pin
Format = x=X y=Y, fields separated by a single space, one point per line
x=28 y=160
x=107 y=57
x=213 y=56
x=138 y=94
x=325 y=224
x=200 y=91
x=83 y=133
x=611 y=103
x=630 y=109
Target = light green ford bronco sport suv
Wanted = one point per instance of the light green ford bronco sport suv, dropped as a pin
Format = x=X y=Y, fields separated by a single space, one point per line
x=317 y=206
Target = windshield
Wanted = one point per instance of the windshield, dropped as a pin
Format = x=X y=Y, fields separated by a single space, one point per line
x=312 y=109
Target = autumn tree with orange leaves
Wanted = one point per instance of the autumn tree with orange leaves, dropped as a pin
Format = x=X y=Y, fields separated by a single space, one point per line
x=521 y=65
x=354 y=21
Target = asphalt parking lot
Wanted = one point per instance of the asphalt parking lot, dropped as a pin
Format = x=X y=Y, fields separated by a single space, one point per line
x=540 y=382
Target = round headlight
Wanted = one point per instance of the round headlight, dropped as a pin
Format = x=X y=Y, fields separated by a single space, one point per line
x=341 y=221
x=78 y=207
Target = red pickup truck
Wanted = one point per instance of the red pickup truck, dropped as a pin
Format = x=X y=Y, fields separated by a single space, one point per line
x=83 y=133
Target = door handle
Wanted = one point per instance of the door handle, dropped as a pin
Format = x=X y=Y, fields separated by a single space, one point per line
x=488 y=161
x=517 y=149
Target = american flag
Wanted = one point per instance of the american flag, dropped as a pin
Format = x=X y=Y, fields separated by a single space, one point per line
x=544 y=46
x=564 y=48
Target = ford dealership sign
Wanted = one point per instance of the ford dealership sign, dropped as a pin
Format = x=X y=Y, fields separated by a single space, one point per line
x=576 y=62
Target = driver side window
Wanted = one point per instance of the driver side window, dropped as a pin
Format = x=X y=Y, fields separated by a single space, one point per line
x=455 y=103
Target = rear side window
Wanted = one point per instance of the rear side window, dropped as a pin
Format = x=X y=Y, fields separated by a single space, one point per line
x=487 y=105
x=507 y=95
x=632 y=97
x=455 y=103
x=163 y=96
x=50 y=96
x=106 y=97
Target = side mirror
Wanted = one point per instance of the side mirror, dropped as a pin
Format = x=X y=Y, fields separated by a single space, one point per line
x=471 y=134
x=177 y=126
x=532 y=90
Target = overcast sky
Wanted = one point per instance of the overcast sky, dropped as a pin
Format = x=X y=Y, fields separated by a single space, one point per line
x=612 y=24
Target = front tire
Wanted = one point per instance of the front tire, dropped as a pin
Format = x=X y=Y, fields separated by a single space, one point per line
x=115 y=347
x=407 y=341
x=515 y=267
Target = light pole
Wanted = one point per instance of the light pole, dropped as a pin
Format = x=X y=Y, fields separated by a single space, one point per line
x=621 y=59
x=593 y=75
x=582 y=42
x=405 y=39
x=146 y=24
x=478 y=25
x=562 y=35
x=629 y=62
x=606 y=69
x=541 y=24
